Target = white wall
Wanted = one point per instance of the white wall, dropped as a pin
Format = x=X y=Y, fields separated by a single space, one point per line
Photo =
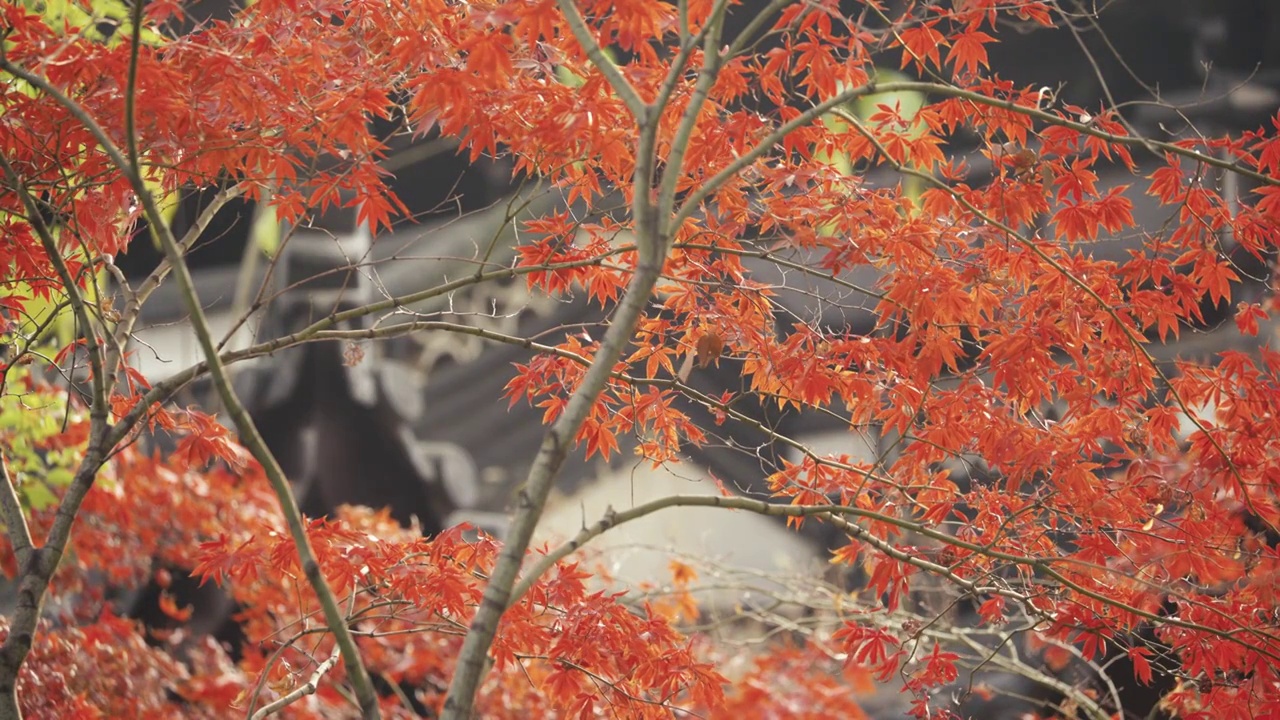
x=640 y=551
x=160 y=351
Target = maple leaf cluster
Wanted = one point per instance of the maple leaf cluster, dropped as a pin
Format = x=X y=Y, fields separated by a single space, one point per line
x=411 y=598
x=1103 y=492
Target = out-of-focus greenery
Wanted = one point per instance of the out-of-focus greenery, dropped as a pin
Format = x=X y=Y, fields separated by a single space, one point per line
x=33 y=418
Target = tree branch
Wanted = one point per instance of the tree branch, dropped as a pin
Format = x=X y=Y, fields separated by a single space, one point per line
x=831 y=513
x=153 y=281
x=652 y=246
x=79 y=307
x=532 y=496
x=307 y=688
x=15 y=522
x=838 y=514
x=249 y=434
x=612 y=73
x=1135 y=340
x=1084 y=128
x=695 y=198
x=613 y=518
x=35 y=573
x=711 y=62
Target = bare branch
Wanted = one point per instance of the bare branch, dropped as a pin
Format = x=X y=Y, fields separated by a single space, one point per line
x=301 y=691
x=838 y=514
x=15 y=522
x=307 y=688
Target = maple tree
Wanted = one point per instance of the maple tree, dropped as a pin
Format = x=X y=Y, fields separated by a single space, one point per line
x=1123 y=503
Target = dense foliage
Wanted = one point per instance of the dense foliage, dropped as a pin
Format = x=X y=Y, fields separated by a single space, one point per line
x=1116 y=504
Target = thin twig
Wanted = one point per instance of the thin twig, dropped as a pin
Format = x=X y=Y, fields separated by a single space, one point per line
x=307 y=688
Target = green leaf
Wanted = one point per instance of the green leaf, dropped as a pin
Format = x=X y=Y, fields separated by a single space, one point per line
x=265 y=232
x=38 y=495
x=59 y=477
